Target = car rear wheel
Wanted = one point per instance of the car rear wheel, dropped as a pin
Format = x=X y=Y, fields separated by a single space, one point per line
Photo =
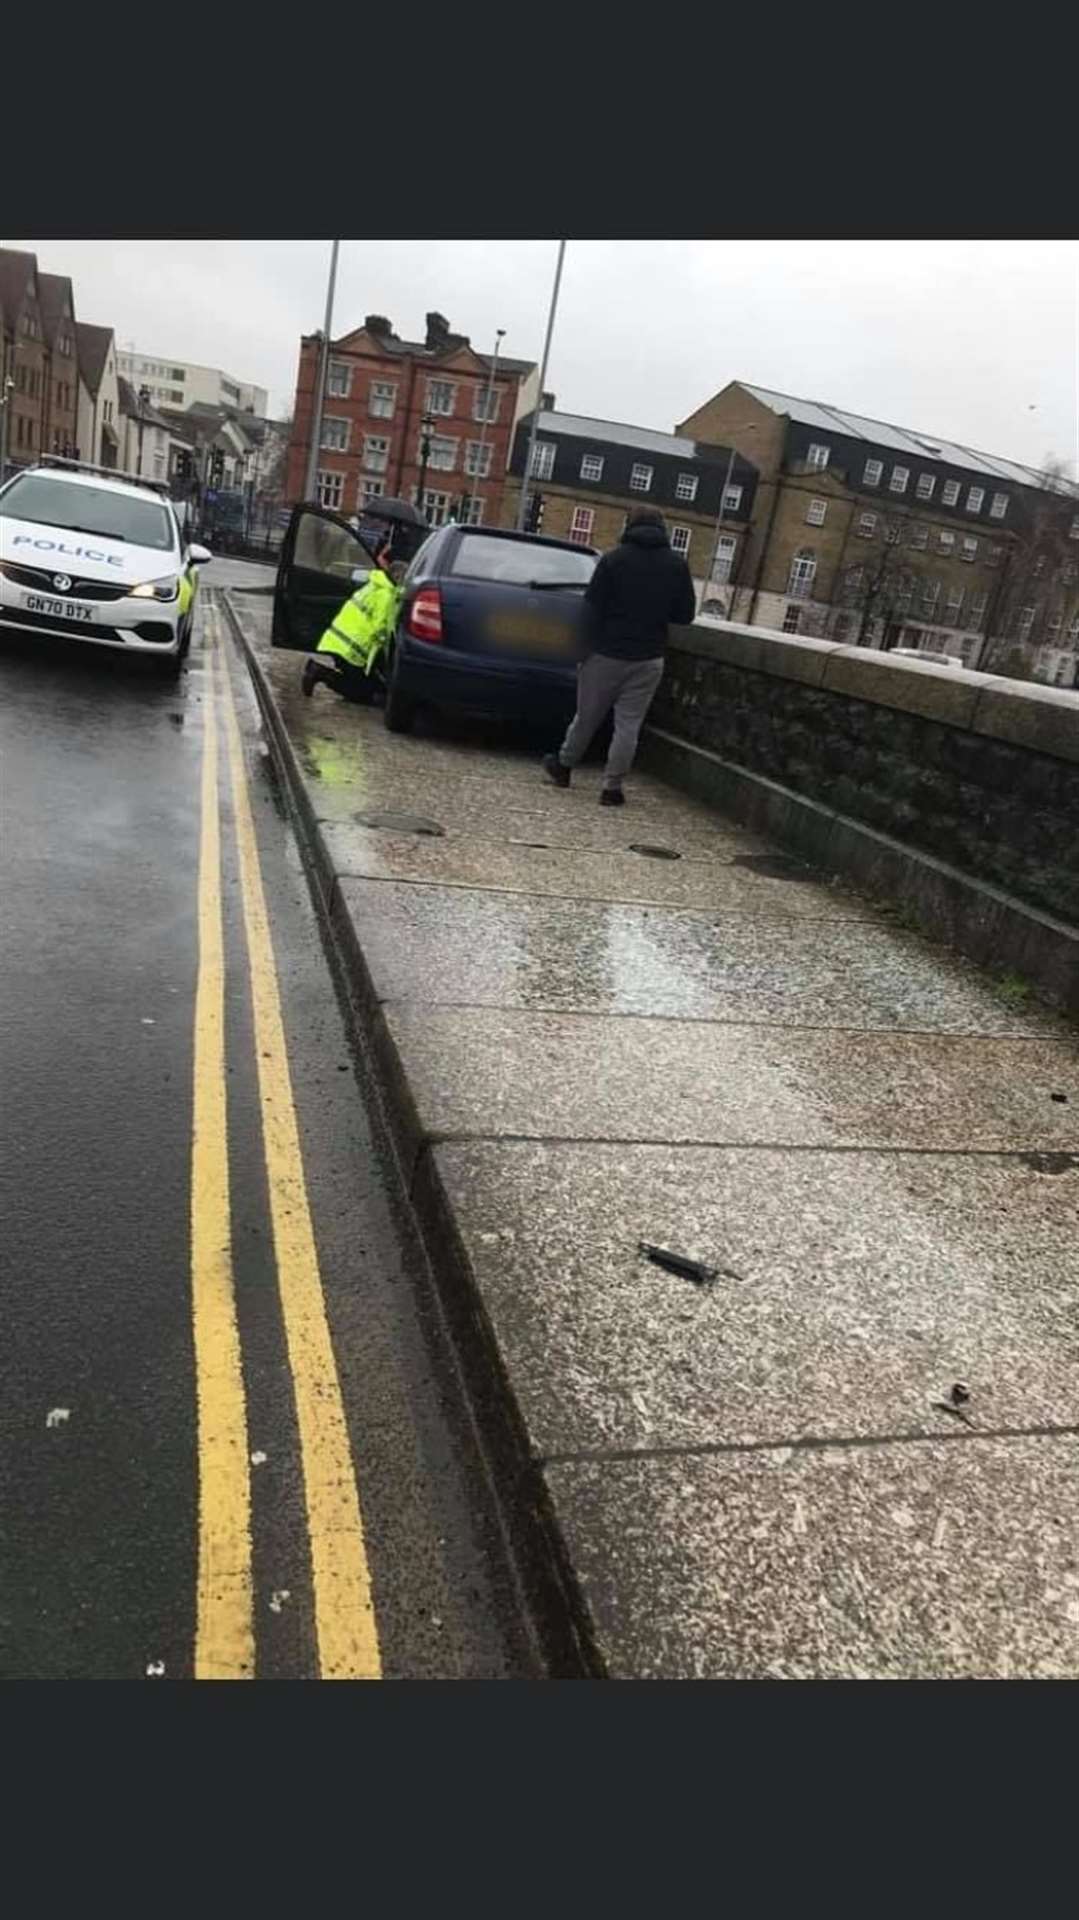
x=399 y=712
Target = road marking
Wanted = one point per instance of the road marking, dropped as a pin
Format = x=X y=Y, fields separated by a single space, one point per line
x=224 y=1631
x=345 y=1624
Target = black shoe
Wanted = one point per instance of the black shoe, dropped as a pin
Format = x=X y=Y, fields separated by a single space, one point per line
x=309 y=679
x=612 y=797
x=553 y=768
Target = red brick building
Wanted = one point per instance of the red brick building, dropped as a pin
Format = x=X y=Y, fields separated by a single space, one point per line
x=378 y=390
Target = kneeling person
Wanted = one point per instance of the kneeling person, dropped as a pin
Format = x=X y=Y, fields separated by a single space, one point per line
x=358 y=634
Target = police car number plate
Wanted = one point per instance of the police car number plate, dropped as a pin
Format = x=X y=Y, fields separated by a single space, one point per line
x=60 y=609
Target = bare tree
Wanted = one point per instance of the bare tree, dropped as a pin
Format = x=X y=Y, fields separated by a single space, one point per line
x=878 y=585
x=1037 y=573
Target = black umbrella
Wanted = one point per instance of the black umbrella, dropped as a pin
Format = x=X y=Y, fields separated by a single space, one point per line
x=400 y=511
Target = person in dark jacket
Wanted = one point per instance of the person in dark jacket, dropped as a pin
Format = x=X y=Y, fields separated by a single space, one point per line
x=635 y=594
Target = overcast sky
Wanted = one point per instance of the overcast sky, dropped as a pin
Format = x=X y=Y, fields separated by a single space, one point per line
x=974 y=340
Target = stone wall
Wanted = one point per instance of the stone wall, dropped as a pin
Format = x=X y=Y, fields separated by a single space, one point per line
x=975 y=775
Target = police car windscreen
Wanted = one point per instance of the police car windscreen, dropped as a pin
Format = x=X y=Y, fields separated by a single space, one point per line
x=521 y=563
x=82 y=509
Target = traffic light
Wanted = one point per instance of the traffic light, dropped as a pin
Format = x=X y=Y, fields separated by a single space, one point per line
x=535 y=512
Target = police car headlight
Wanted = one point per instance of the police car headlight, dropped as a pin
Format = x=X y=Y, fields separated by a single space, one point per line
x=165 y=589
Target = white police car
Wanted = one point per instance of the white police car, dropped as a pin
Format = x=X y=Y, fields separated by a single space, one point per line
x=98 y=556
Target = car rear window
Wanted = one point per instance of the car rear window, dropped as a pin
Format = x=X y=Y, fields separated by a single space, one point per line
x=93 y=510
x=521 y=562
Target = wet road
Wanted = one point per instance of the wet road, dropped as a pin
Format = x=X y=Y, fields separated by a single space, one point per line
x=231 y=1437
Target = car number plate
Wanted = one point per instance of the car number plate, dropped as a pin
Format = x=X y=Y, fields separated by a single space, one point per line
x=538 y=636
x=61 y=609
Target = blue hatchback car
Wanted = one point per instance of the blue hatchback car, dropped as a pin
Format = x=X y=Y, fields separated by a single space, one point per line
x=492 y=622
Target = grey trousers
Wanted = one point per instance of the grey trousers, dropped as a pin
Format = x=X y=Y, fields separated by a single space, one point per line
x=629 y=686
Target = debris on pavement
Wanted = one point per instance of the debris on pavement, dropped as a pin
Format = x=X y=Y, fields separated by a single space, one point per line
x=57 y=1415
x=694 y=1270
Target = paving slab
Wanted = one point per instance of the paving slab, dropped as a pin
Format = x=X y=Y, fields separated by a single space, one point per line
x=860 y=1287
x=478 y=1071
x=445 y=947
x=923 y=1561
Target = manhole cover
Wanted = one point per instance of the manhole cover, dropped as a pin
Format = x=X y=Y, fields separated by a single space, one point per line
x=655 y=853
x=390 y=822
x=773 y=866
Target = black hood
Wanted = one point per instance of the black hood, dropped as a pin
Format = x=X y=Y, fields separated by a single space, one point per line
x=646 y=533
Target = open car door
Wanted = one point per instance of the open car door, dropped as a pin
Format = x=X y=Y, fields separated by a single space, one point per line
x=322 y=561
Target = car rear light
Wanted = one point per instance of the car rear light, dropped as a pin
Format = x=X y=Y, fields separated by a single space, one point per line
x=425 y=615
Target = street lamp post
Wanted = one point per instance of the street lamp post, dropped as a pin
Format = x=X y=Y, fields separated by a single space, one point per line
x=719 y=523
x=320 y=388
x=426 y=424
x=500 y=335
x=522 y=504
x=5 y=409
x=144 y=401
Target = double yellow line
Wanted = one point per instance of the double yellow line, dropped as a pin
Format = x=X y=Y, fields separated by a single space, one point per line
x=344 y=1614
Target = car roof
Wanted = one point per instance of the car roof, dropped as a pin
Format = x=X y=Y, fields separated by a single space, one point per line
x=129 y=488
x=514 y=533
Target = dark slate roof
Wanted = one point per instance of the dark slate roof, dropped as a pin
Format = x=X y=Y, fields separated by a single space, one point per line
x=16 y=271
x=129 y=404
x=93 y=348
x=433 y=355
x=57 y=296
x=826 y=418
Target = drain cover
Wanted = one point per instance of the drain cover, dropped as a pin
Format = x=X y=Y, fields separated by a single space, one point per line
x=655 y=853
x=773 y=866
x=390 y=822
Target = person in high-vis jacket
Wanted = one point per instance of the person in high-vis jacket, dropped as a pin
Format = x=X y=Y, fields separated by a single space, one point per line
x=358 y=634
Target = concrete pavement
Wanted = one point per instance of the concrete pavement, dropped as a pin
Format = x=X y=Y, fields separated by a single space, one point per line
x=583 y=1044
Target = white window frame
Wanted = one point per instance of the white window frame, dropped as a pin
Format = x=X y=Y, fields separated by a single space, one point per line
x=1073 y=630
x=818 y=455
x=339 y=368
x=816 y=513
x=592 y=465
x=998 y=506
x=976 y=611
x=953 y=606
x=376 y=452
x=641 y=477
x=382 y=399
x=873 y=474
x=1024 y=625
x=685 y=487
x=969 y=551
x=791 y=617
x=723 y=561
x=443 y=462
x=929 y=599
x=926 y=487
x=919 y=537
x=330 y=483
x=732 y=499
x=950 y=492
x=479 y=399
x=899 y=480
x=369 y=489
x=581 y=524
x=680 y=539
x=803 y=572
x=474 y=516
x=867 y=526
x=435 y=501
x=1053 y=629
x=945 y=540
x=478 y=457
x=543 y=459
x=975 y=499
x=336 y=420
x=450 y=390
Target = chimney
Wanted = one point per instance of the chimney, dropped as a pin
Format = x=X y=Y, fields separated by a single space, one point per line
x=438 y=333
x=378 y=324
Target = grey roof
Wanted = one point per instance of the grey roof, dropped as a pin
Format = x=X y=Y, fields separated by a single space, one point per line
x=829 y=419
x=92 y=344
x=579 y=427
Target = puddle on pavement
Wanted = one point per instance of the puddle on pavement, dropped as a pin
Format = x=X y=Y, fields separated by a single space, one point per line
x=654 y=853
x=389 y=821
x=775 y=866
